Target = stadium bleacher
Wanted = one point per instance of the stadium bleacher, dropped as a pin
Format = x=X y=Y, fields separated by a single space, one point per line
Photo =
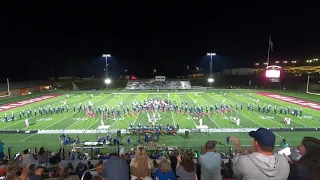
x=158 y=85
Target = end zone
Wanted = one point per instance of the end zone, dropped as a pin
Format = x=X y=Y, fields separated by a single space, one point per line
x=297 y=101
x=26 y=102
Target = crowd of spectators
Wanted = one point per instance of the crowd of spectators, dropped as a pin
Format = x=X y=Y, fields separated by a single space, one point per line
x=261 y=164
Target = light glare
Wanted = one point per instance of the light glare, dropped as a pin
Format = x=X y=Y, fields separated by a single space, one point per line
x=107 y=81
x=272 y=73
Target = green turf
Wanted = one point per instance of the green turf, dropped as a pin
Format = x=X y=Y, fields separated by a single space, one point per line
x=70 y=120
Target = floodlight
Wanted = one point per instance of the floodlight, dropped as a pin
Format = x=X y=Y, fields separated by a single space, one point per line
x=107 y=81
x=106 y=55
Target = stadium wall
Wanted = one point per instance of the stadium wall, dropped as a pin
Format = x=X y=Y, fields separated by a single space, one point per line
x=15 y=92
x=24 y=87
x=23 y=91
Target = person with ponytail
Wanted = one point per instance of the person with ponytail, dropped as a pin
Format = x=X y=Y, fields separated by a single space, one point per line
x=141 y=166
x=308 y=166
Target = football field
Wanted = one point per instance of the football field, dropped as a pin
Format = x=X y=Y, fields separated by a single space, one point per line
x=45 y=129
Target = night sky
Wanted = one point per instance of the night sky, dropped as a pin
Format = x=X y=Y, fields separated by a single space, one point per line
x=70 y=38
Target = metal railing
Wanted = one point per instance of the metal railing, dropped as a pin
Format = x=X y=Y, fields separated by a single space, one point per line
x=89 y=170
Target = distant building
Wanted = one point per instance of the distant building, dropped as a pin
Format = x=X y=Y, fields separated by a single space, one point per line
x=238 y=71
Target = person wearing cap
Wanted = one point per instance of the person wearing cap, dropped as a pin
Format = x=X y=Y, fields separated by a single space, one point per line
x=210 y=162
x=263 y=164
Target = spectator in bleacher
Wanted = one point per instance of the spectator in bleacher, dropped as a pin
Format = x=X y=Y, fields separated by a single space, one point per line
x=195 y=155
x=70 y=166
x=27 y=158
x=263 y=164
x=96 y=178
x=210 y=162
x=99 y=167
x=164 y=172
x=38 y=173
x=116 y=168
x=155 y=165
x=42 y=156
x=67 y=174
x=295 y=154
x=308 y=166
x=25 y=174
x=230 y=165
x=3 y=167
x=13 y=170
x=54 y=173
x=225 y=172
x=1 y=150
x=90 y=166
x=186 y=168
x=128 y=160
x=173 y=160
x=80 y=169
x=141 y=166
x=32 y=169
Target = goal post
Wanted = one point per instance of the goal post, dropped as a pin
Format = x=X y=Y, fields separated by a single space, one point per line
x=8 y=89
x=313 y=85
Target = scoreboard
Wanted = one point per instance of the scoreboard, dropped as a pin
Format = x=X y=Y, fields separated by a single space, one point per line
x=273 y=74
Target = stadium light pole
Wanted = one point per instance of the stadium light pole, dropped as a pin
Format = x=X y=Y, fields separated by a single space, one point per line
x=309 y=61
x=294 y=63
x=106 y=56
x=316 y=60
x=211 y=54
x=210 y=80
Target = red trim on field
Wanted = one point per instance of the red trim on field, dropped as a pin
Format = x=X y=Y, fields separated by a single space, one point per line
x=293 y=100
x=27 y=102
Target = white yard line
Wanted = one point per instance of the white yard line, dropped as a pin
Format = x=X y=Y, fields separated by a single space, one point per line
x=50 y=126
x=93 y=123
x=174 y=122
x=18 y=121
x=98 y=118
x=136 y=119
x=210 y=117
x=134 y=112
x=119 y=118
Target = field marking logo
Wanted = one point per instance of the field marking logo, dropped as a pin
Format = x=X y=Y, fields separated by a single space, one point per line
x=116 y=119
x=229 y=117
x=267 y=117
x=44 y=119
x=307 y=117
x=80 y=119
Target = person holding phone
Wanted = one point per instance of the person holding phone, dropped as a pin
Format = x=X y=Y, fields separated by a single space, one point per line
x=186 y=168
